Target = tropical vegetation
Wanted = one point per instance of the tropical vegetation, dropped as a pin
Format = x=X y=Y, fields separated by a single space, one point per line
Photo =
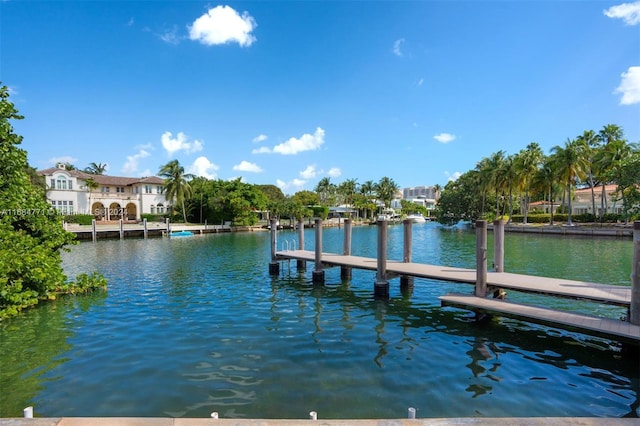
x=31 y=233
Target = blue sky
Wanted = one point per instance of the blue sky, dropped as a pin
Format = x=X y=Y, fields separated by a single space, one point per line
x=289 y=92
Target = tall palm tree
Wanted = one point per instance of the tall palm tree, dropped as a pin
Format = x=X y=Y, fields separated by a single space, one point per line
x=571 y=161
x=590 y=142
x=91 y=186
x=528 y=162
x=546 y=179
x=326 y=191
x=613 y=150
x=386 y=189
x=493 y=168
x=348 y=189
x=96 y=168
x=176 y=184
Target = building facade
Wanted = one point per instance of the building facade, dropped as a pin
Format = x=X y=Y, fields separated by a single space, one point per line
x=113 y=197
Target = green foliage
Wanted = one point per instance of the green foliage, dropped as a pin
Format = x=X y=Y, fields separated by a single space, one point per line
x=31 y=233
x=460 y=200
x=80 y=219
x=152 y=217
x=320 y=211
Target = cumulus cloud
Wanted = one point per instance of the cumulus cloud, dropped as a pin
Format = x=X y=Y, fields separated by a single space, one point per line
x=397 y=47
x=306 y=142
x=131 y=165
x=222 y=24
x=179 y=143
x=452 y=177
x=203 y=167
x=310 y=172
x=246 y=166
x=260 y=138
x=64 y=159
x=629 y=86
x=334 y=172
x=293 y=185
x=628 y=12
x=445 y=137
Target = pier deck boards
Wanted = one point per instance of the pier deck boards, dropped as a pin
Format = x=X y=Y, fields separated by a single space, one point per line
x=602 y=293
x=597 y=326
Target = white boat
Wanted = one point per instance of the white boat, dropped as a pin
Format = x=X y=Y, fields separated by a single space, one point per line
x=416 y=218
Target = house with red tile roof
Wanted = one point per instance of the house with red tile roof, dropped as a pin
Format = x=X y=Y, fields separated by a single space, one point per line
x=114 y=198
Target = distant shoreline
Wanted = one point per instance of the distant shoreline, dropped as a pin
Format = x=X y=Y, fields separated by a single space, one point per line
x=586 y=230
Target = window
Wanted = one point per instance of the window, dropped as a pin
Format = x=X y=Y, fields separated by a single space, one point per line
x=120 y=189
x=160 y=208
x=135 y=189
x=159 y=189
x=104 y=189
x=147 y=189
x=61 y=183
x=53 y=183
x=153 y=209
x=64 y=207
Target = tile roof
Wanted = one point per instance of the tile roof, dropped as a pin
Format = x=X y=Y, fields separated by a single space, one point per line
x=104 y=179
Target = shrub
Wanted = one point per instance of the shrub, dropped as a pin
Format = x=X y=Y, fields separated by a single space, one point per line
x=80 y=219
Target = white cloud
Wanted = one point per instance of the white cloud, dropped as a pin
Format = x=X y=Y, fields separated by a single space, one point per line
x=180 y=143
x=452 y=177
x=628 y=12
x=260 y=138
x=397 y=47
x=222 y=24
x=203 y=167
x=293 y=146
x=445 y=137
x=334 y=172
x=294 y=185
x=170 y=36
x=310 y=172
x=630 y=86
x=246 y=166
x=64 y=159
x=131 y=165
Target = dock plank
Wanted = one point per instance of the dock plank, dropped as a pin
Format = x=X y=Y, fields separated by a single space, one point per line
x=602 y=293
x=601 y=327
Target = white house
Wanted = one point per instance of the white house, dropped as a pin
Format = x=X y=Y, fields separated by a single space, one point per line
x=114 y=198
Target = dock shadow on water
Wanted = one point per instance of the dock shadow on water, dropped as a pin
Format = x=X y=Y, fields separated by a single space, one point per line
x=196 y=325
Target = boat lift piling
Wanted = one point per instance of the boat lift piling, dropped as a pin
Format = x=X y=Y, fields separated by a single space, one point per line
x=381 y=285
x=301 y=264
x=634 y=307
x=406 y=281
x=345 y=271
x=481 y=258
x=274 y=266
x=318 y=273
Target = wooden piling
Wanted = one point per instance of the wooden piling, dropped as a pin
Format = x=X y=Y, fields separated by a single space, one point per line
x=94 y=233
x=634 y=308
x=345 y=271
x=168 y=224
x=301 y=264
x=381 y=286
x=121 y=229
x=318 y=273
x=406 y=281
x=145 y=231
x=274 y=266
x=481 y=258
x=498 y=245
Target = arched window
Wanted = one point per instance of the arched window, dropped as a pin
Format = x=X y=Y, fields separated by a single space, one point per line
x=160 y=208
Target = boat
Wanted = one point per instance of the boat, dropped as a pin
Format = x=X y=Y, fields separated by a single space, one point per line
x=416 y=218
x=181 y=234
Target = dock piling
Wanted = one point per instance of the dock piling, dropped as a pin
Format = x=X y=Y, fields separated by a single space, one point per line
x=121 y=223
x=94 y=233
x=381 y=286
x=274 y=266
x=318 y=273
x=345 y=271
x=301 y=264
x=481 y=258
x=406 y=281
x=145 y=231
x=28 y=412
x=498 y=245
x=411 y=413
x=634 y=308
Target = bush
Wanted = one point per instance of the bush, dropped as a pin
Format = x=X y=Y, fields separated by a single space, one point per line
x=152 y=217
x=80 y=219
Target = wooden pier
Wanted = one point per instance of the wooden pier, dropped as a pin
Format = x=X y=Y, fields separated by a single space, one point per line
x=485 y=283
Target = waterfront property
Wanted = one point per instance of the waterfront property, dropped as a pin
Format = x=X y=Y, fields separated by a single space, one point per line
x=113 y=198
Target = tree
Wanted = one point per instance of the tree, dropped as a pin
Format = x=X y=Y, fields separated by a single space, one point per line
x=31 y=233
x=527 y=164
x=347 y=190
x=176 y=184
x=96 y=169
x=386 y=190
x=306 y=198
x=92 y=185
x=326 y=191
x=571 y=163
x=460 y=200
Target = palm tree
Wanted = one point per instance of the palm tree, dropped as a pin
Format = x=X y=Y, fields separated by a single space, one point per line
x=96 y=169
x=572 y=165
x=528 y=162
x=545 y=179
x=386 y=189
x=590 y=142
x=91 y=186
x=176 y=185
x=613 y=150
x=491 y=171
x=325 y=190
x=348 y=189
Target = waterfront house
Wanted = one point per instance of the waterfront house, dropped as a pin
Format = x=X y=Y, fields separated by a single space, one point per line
x=114 y=197
x=581 y=202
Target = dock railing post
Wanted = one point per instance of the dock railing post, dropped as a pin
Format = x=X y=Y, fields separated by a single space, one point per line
x=481 y=258
x=381 y=286
x=406 y=281
x=121 y=229
x=145 y=231
x=301 y=264
x=634 y=308
x=318 y=273
x=345 y=271
x=274 y=266
x=94 y=233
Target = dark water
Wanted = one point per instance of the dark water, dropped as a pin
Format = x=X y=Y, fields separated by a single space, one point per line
x=195 y=325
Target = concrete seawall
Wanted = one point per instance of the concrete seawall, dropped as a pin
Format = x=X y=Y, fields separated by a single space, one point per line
x=620 y=231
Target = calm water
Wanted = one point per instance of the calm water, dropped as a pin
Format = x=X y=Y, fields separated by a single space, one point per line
x=195 y=325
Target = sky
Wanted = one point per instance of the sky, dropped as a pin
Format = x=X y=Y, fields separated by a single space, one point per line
x=290 y=92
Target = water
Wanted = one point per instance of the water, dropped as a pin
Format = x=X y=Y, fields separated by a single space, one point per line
x=195 y=325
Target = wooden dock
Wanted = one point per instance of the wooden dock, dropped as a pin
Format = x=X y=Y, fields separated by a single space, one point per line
x=624 y=330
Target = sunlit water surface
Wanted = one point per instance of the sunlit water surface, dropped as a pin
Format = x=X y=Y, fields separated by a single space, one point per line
x=195 y=325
